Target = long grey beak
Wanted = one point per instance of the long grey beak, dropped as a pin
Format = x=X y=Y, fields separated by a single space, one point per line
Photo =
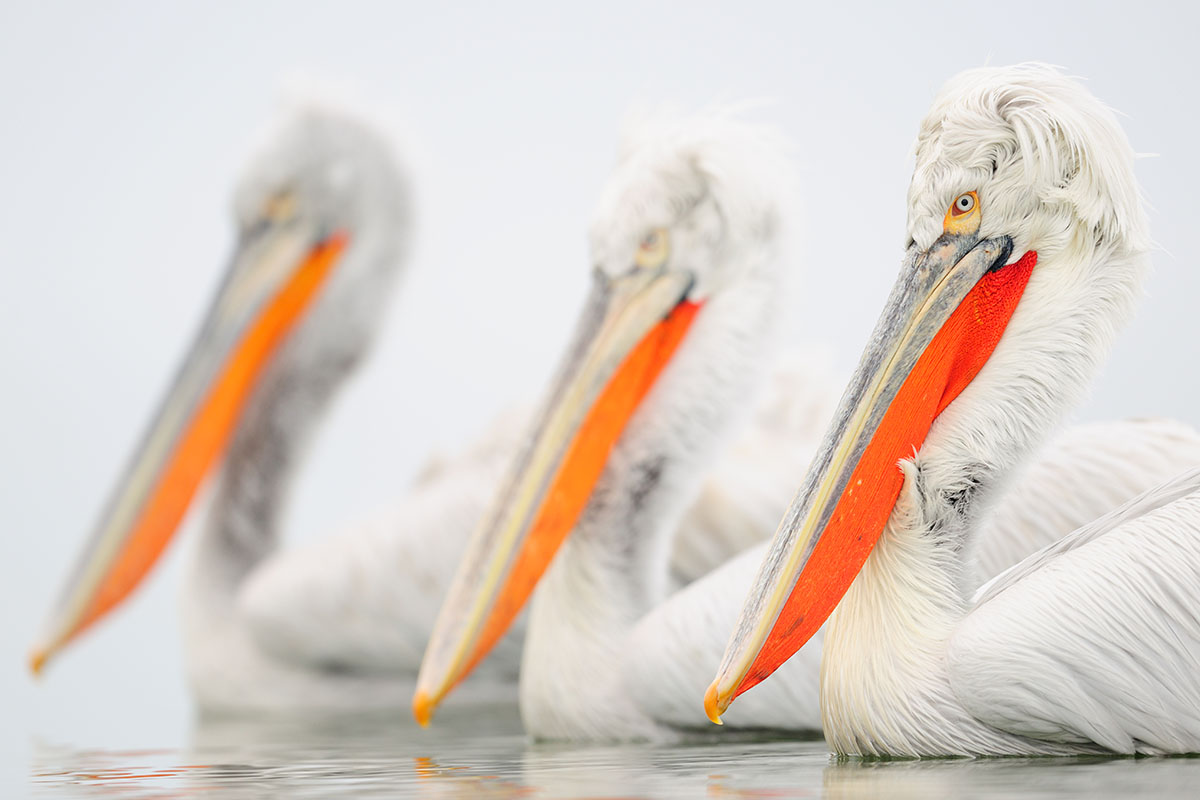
x=275 y=272
x=626 y=336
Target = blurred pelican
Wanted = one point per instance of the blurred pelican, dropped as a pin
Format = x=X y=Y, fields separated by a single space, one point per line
x=690 y=280
x=1028 y=247
x=324 y=216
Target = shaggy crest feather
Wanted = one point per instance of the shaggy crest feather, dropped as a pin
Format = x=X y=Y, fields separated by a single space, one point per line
x=731 y=180
x=1037 y=127
x=333 y=152
x=320 y=97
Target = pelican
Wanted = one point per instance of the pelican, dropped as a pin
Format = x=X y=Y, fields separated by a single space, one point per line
x=690 y=278
x=1028 y=246
x=323 y=213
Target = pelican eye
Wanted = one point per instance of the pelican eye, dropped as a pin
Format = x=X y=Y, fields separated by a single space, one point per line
x=652 y=252
x=963 y=216
x=280 y=207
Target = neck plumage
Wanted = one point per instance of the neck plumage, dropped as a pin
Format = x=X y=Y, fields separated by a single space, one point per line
x=242 y=527
x=894 y=622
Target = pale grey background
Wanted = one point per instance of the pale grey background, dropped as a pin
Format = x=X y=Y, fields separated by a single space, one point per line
x=123 y=124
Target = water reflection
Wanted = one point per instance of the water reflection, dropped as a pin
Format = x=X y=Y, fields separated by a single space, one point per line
x=471 y=754
x=1007 y=777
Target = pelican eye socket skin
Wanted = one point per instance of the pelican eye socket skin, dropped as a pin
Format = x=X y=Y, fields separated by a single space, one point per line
x=963 y=216
x=280 y=207
x=653 y=250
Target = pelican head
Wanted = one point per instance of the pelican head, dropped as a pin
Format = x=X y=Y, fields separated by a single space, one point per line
x=716 y=186
x=322 y=216
x=1048 y=164
x=1027 y=247
x=325 y=173
x=685 y=247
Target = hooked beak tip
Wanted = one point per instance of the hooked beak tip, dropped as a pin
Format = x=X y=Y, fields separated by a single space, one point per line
x=714 y=704
x=423 y=706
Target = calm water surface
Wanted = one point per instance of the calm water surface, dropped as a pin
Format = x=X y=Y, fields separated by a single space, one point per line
x=485 y=755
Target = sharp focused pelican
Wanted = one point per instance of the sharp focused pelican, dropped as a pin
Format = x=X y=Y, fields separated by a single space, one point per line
x=324 y=216
x=688 y=243
x=1028 y=248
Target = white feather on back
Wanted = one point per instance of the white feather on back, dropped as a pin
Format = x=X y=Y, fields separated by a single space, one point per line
x=1097 y=638
x=1083 y=473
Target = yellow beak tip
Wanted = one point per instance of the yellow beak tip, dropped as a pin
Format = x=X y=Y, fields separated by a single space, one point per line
x=423 y=706
x=37 y=661
x=714 y=705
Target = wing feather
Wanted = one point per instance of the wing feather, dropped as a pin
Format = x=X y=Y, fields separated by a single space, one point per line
x=1096 y=638
x=675 y=650
x=1084 y=472
x=364 y=600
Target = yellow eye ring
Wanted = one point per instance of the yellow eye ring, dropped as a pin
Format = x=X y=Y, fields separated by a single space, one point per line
x=963 y=216
x=653 y=250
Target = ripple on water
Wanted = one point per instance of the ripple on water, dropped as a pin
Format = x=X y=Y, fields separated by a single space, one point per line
x=485 y=755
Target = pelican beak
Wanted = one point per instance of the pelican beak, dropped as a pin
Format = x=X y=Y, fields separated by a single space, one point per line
x=942 y=322
x=278 y=268
x=628 y=333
